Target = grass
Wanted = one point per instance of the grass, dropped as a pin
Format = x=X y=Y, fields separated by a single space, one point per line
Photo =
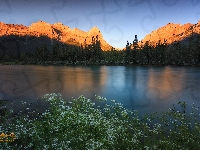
x=80 y=124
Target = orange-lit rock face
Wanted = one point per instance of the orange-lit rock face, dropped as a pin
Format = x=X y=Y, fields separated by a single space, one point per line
x=55 y=31
x=171 y=32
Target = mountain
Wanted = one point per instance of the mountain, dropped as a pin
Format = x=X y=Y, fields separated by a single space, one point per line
x=172 y=33
x=55 y=32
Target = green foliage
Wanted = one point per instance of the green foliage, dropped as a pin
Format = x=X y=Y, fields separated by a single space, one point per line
x=95 y=50
x=42 y=53
x=80 y=124
x=161 y=54
x=9 y=57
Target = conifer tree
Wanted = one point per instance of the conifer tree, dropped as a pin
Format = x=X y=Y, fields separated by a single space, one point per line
x=127 y=53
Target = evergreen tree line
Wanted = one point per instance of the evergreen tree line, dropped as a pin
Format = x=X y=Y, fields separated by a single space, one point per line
x=161 y=54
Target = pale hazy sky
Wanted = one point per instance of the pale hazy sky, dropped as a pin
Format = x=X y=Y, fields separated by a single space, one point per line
x=118 y=20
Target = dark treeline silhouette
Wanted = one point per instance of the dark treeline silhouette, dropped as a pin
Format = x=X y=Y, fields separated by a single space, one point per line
x=43 y=50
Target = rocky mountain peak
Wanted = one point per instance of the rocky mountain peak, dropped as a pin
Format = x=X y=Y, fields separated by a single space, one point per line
x=171 y=32
x=95 y=30
x=55 y=31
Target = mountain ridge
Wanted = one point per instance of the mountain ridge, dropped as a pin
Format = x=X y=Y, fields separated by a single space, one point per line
x=171 y=33
x=56 y=31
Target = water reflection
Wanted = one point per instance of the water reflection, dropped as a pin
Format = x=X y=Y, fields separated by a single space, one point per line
x=146 y=89
x=162 y=84
x=84 y=81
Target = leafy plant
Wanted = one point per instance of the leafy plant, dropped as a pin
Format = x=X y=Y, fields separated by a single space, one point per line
x=80 y=124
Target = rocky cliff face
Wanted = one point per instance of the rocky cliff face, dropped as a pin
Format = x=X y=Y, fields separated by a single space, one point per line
x=171 y=33
x=55 y=31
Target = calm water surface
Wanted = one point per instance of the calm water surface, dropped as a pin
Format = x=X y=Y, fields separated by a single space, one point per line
x=146 y=89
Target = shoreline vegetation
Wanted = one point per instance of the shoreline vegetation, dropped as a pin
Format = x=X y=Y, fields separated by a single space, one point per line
x=65 y=63
x=80 y=124
x=84 y=63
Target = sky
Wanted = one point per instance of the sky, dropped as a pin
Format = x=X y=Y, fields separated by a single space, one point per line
x=118 y=20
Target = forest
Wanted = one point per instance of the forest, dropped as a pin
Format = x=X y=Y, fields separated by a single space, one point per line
x=161 y=54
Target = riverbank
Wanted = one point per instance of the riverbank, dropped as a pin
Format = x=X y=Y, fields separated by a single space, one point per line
x=87 y=63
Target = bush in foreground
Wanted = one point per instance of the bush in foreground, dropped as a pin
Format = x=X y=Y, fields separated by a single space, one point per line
x=80 y=124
